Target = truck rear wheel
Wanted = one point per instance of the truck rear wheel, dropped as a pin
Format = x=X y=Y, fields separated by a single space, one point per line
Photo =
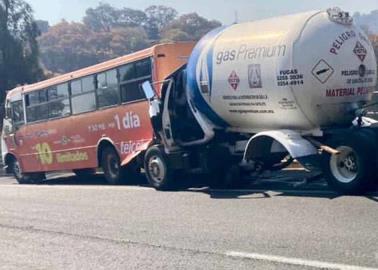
x=352 y=170
x=158 y=172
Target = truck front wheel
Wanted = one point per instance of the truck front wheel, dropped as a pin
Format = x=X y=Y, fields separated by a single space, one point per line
x=351 y=171
x=158 y=172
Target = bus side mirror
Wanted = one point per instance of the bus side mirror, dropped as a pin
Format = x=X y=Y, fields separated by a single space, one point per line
x=148 y=91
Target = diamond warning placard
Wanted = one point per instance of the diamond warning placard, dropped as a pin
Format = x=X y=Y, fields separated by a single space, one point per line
x=234 y=80
x=322 y=71
x=360 y=51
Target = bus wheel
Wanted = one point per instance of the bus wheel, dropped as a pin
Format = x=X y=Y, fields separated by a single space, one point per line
x=352 y=170
x=84 y=173
x=159 y=175
x=111 y=166
x=22 y=178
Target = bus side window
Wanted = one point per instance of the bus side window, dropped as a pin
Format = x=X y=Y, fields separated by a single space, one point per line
x=132 y=76
x=36 y=108
x=132 y=91
x=127 y=72
x=83 y=96
x=17 y=113
x=107 y=88
x=143 y=68
x=59 y=103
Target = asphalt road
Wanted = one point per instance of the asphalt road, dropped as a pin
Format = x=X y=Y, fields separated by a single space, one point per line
x=283 y=222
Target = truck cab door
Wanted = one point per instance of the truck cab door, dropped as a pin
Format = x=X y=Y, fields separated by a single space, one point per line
x=179 y=124
x=159 y=113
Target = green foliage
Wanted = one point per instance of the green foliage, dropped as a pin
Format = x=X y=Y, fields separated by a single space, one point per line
x=101 y=18
x=64 y=45
x=108 y=32
x=175 y=34
x=105 y=17
x=70 y=46
x=158 y=17
x=43 y=26
x=19 y=53
x=189 y=27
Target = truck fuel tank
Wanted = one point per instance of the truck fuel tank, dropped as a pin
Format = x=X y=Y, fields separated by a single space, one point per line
x=303 y=71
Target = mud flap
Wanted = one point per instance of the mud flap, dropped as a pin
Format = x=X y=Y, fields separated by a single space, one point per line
x=291 y=141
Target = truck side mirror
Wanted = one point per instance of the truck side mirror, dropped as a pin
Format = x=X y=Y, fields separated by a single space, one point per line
x=148 y=91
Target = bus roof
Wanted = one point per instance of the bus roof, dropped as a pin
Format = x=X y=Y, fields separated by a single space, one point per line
x=93 y=69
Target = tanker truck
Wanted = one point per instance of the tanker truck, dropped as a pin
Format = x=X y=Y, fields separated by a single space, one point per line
x=255 y=96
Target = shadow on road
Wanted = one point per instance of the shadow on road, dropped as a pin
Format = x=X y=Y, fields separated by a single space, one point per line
x=373 y=197
x=277 y=184
x=95 y=180
x=281 y=184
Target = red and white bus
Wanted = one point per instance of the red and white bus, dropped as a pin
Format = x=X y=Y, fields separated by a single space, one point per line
x=94 y=117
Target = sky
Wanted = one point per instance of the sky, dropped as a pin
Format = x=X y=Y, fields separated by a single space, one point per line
x=222 y=10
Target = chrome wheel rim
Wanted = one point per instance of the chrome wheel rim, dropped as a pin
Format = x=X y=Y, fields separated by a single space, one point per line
x=156 y=169
x=344 y=166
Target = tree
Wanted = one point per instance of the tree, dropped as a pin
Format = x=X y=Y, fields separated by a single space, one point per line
x=19 y=52
x=71 y=46
x=108 y=32
x=101 y=18
x=128 y=17
x=369 y=19
x=67 y=46
x=158 y=17
x=43 y=26
x=175 y=34
x=192 y=24
x=105 y=18
x=126 y=40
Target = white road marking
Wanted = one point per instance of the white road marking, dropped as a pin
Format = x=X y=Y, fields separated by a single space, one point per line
x=295 y=261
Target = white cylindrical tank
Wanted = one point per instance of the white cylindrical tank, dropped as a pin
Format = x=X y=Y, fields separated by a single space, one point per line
x=303 y=71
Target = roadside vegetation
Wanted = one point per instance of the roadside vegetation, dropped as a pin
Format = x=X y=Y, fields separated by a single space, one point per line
x=107 y=32
x=32 y=50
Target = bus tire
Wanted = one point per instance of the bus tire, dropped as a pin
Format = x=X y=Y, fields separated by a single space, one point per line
x=352 y=170
x=22 y=178
x=158 y=172
x=111 y=166
x=84 y=173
